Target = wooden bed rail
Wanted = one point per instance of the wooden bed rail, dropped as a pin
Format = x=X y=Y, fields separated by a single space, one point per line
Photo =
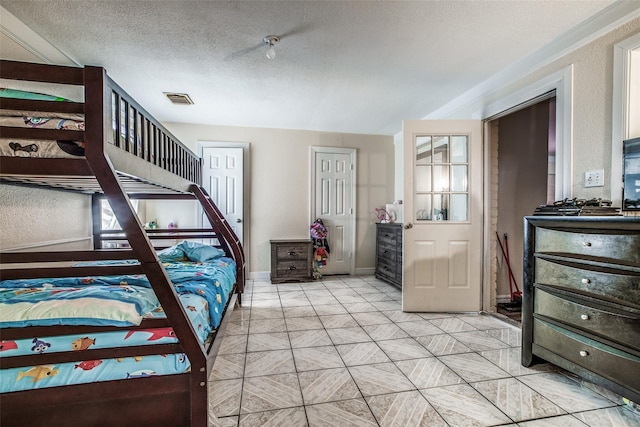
x=132 y=128
x=230 y=241
x=135 y=131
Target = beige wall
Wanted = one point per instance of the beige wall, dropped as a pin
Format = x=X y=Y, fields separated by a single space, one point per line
x=592 y=105
x=277 y=183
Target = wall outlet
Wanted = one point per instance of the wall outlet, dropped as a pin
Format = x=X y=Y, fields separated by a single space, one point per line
x=594 y=178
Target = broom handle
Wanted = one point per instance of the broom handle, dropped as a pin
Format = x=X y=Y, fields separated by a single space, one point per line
x=506 y=247
x=511 y=276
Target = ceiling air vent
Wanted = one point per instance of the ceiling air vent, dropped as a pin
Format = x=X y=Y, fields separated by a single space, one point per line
x=179 y=98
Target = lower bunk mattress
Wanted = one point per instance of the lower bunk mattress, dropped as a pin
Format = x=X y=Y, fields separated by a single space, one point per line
x=204 y=288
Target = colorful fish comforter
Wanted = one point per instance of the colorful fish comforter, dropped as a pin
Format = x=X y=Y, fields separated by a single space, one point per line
x=203 y=288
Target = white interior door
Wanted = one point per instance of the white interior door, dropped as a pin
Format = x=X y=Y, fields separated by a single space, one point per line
x=333 y=181
x=443 y=240
x=222 y=177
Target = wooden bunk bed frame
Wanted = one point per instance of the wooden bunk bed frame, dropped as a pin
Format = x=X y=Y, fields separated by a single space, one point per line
x=144 y=162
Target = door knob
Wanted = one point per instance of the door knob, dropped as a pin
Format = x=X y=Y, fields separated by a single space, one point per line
x=408 y=226
x=238 y=220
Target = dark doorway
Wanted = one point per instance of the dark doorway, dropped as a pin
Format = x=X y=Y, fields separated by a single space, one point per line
x=525 y=179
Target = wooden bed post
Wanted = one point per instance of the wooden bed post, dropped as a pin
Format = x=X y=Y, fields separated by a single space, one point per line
x=98 y=129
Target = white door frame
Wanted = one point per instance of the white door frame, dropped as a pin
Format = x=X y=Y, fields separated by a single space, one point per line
x=312 y=199
x=620 y=125
x=562 y=82
x=201 y=145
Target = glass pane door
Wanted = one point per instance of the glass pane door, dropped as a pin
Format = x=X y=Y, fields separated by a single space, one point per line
x=441 y=178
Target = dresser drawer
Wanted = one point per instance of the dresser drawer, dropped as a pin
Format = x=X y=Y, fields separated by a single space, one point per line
x=292 y=251
x=388 y=236
x=624 y=247
x=613 y=324
x=387 y=253
x=592 y=355
x=611 y=284
x=386 y=268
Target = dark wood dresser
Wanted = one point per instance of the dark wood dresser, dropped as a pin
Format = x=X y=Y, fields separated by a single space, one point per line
x=581 y=302
x=291 y=260
x=389 y=253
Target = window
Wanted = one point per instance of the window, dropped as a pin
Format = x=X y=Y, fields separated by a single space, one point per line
x=441 y=178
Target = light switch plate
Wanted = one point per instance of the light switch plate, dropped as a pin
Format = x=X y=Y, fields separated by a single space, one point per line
x=594 y=178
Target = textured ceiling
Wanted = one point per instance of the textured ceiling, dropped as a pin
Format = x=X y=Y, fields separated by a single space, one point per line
x=341 y=66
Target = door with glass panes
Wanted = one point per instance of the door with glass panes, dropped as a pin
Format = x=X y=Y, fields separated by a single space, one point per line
x=443 y=240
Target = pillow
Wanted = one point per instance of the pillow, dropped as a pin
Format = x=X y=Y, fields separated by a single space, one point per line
x=21 y=94
x=199 y=252
x=172 y=254
x=191 y=251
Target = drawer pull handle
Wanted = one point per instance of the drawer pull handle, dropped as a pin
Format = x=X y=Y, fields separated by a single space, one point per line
x=584 y=317
x=586 y=281
x=292 y=253
x=291 y=267
x=584 y=353
x=586 y=244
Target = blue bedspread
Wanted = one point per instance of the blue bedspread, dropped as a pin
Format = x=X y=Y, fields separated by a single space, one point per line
x=112 y=300
x=204 y=286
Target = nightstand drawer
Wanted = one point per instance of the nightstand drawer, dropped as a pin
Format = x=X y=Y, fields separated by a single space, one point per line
x=592 y=355
x=293 y=251
x=292 y=268
x=622 y=247
x=612 y=284
x=622 y=326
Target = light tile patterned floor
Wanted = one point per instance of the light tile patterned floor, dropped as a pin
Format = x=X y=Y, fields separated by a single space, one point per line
x=340 y=352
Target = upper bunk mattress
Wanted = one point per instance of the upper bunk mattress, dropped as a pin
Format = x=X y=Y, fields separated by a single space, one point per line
x=10 y=147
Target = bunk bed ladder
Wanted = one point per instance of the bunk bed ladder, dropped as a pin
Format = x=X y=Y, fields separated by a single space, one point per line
x=218 y=221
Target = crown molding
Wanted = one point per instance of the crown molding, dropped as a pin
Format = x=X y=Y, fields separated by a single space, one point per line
x=32 y=42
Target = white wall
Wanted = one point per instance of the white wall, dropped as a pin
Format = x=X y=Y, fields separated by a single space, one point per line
x=278 y=183
x=36 y=217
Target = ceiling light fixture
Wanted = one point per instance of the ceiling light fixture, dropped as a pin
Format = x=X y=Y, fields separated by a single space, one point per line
x=271 y=41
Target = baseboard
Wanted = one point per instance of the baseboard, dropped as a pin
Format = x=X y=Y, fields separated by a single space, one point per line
x=260 y=276
x=368 y=271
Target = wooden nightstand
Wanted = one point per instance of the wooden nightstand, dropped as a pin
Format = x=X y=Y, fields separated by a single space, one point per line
x=291 y=260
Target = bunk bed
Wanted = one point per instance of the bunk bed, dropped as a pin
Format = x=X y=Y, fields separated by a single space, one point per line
x=111 y=149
